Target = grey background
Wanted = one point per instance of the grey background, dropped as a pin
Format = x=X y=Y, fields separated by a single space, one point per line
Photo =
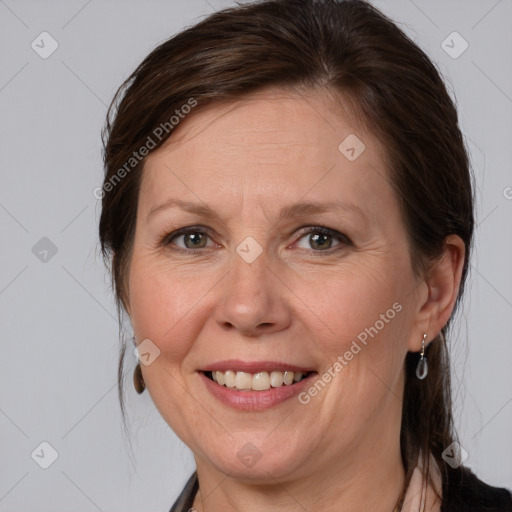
x=58 y=322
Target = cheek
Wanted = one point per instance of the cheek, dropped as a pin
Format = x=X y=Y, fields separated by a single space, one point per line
x=360 y=303
x=163 y=306
x=364 y=318
x=363 y=321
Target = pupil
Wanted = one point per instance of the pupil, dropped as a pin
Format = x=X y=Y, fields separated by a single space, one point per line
x=321 y=240
x=195 y=239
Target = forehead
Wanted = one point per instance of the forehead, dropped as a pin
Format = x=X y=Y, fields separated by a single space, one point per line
x=268 y=147
x=313 y=119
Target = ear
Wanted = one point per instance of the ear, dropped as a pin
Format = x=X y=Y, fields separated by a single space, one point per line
x=437 y=293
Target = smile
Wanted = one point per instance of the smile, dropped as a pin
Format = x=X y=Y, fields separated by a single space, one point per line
x=255 y=386
x=260 y=381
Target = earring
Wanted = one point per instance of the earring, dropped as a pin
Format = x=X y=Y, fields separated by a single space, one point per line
x=422 y=368
x=138 y=380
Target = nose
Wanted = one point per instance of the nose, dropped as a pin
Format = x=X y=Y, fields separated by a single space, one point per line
x=253 y=300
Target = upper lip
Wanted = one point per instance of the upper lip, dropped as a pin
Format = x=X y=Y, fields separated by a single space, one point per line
x=254 y=366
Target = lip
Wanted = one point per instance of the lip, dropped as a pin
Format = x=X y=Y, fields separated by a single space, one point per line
x=238 y=365
x=255 y=400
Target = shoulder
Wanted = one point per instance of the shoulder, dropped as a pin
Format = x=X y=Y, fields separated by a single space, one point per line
x=463 y=491
x=186 y=498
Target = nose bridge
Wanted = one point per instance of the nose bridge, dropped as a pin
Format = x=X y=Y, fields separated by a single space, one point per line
x=253 y=301
x=250 y=259
x=248 y=279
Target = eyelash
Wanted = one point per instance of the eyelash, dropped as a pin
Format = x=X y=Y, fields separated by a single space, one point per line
x=310 y=230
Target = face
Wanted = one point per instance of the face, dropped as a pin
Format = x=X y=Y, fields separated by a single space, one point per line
x=268 y=249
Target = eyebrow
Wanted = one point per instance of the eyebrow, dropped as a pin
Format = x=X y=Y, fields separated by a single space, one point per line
x=300 y=209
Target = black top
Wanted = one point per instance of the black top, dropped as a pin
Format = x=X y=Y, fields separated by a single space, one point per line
x=462 y=492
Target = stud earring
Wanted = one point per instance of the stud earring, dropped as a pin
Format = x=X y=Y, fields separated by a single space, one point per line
x=422 y=367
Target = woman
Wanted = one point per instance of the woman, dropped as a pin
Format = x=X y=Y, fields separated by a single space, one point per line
x=289 y=211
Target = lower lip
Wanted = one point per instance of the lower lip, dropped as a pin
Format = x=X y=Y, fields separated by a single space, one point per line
x=254 y=400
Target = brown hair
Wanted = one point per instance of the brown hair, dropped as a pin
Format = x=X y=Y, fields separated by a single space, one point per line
x=350 y=49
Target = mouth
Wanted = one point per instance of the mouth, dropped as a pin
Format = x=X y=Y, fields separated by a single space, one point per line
x=258 y=381
x=255 y=386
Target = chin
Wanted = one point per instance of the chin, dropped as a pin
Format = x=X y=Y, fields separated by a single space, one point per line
x=259 y=461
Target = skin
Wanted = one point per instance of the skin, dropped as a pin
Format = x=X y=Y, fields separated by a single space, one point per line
x=246 y=160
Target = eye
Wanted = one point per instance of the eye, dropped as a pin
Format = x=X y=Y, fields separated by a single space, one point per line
x=321 y=239
x=188 y=238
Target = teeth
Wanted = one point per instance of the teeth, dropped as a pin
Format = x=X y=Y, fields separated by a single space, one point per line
x=288 y=378
x=260 y=381
x=243 y=380
x=276 y=379
x=229 y=379
x=219 y=377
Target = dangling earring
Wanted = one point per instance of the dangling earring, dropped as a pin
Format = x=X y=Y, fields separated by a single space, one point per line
x=422 y=368
x=138 y=380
